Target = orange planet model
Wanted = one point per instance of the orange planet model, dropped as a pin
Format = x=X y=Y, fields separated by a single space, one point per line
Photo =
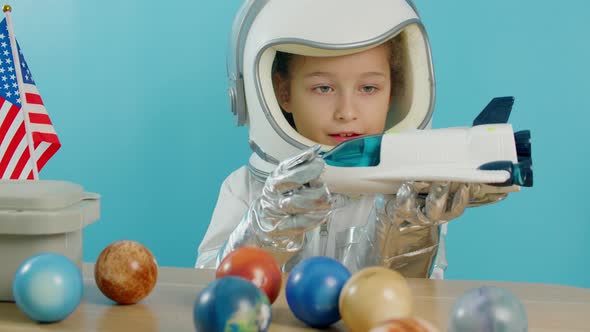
x=411 y=324
x=126 y=272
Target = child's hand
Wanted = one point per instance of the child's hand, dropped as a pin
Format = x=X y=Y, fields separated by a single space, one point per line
x=407 y=229
x=292 y=202
x=293 y=198
x=445 y=201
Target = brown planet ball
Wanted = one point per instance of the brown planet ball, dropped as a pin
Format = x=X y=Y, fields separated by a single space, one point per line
x=373 y=295
x=126 y=272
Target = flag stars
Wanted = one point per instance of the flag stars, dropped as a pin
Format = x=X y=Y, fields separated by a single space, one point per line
x=9 y=87
x=9 y=71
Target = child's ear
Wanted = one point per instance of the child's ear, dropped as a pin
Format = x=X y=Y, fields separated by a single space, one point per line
x=282 y=91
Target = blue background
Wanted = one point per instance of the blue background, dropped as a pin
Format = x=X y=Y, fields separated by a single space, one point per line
x=137 y=93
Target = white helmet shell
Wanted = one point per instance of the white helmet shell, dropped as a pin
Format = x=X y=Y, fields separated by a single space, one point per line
x=319 y=28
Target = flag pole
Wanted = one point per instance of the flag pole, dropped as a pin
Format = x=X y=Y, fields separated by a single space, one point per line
x=23 y=98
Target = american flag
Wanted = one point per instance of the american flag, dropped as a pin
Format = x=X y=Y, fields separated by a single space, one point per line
x=15 y=158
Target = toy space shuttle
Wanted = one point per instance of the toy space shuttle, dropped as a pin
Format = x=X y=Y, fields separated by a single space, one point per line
x=489 y=152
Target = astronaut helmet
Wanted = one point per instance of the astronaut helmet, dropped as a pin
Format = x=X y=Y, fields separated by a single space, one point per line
x=320 y=28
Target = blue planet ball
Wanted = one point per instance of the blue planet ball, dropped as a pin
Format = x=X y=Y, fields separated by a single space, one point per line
x=232 y=304
x=313 y=288
x=47 y=287
x=488 y=309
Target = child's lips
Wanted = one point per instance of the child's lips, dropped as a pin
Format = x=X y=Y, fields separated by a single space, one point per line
x=345 y=136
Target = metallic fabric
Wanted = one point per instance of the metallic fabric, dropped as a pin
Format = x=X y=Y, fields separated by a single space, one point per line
x=296 y=217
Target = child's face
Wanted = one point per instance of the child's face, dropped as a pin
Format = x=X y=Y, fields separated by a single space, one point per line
x=333 y=99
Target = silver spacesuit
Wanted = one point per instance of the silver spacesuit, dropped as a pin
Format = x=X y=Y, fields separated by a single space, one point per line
x=278 y=202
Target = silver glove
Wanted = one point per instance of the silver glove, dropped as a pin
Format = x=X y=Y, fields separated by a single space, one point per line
x=293 y=201
x=407 y=225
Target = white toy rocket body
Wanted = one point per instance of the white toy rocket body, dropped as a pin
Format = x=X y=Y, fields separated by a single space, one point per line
x=490 y=154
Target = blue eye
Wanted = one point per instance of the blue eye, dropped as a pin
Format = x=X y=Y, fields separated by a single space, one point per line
x=323 y=89
x=369 y=89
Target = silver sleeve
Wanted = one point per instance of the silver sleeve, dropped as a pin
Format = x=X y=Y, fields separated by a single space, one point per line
x=406 y=232
x=408 y=225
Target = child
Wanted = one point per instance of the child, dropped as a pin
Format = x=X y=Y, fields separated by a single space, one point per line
x=324 y=81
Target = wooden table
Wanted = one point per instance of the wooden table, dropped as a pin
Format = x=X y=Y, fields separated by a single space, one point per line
x=169 y=307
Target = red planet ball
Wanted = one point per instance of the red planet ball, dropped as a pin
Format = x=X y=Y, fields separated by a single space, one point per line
x=253 y=264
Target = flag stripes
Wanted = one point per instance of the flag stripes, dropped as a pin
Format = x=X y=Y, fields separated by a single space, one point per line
x=15 y=160
x=19 y=138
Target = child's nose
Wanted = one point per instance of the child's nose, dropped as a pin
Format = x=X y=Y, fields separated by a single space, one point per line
x=346 y=109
